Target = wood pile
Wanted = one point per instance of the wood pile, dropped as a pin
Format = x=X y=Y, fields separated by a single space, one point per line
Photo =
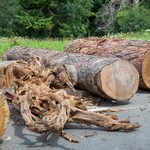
x=136 y=52
x=39 y=94
x=111 y=78
x=113 y=69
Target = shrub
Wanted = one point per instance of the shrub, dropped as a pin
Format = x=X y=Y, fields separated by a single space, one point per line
x=133 y=18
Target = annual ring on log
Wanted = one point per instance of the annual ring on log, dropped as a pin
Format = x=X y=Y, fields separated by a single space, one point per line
x=117 y=80
x=146 y=69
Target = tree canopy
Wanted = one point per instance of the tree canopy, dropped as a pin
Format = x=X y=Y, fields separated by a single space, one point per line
x=72 y=18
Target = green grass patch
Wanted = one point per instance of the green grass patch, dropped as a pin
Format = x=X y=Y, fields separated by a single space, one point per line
x=7 y=43
x=145 y=35
x=59 y=45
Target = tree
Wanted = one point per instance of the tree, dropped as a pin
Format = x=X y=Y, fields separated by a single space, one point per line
x=34 y=17
x=133 y=19
x=8 y=21
x=75 y=15
x=106 y=14
x=56 y=18
x=66 y=18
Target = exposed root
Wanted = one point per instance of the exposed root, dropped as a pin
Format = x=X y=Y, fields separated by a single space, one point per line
x=44 y=104
x=109 y=122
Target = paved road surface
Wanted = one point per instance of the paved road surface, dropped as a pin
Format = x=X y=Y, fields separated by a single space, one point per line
x=138 y=108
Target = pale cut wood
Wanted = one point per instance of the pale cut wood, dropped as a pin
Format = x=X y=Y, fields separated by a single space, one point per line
x=6 y=74
x=111 y=78
x=137 y=52
x=116 y=78
x=146 y=69
x=4 y=115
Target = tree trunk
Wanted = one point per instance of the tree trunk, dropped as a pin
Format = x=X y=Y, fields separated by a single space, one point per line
x=137 y=52
x=110 y=78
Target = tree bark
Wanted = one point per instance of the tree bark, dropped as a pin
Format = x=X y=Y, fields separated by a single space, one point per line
x=137 y=52
x=111 y=78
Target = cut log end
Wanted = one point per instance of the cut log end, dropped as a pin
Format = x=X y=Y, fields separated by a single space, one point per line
x=4 y=115
x=119 y=80
x=146 y=70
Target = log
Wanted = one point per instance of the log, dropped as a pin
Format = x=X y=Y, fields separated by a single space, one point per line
x=137 y=52
x=4 y=115
x=111 y=78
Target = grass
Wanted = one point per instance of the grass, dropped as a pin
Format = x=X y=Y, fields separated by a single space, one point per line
x=55 y=44
x=7 y=43
x=145 y=35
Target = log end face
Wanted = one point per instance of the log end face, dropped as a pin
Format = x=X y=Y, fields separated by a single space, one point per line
x=4 y=115
x=146 y=70
x=119 y=80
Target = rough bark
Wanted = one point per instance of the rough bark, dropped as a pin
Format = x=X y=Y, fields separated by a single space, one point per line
x=110 y=78
x=45 y=106
x=137 y=52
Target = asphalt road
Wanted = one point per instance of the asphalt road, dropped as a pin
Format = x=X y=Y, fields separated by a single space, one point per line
x=91 y=138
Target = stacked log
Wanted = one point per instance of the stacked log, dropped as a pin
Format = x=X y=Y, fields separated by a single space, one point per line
x=136 y=52
x=111 y=78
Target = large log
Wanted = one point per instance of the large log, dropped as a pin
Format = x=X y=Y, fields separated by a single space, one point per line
x=137 y=52
x=110 y=78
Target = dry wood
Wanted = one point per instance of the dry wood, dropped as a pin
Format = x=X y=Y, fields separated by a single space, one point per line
x=111 y=78
x=44 y=104
x=137 y=52
x=6 y=74
x=4 y=114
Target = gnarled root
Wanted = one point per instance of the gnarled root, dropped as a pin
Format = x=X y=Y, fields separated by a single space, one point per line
x=44 y=104
x=107 y=121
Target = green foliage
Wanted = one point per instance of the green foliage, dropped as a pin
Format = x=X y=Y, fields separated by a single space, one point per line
x=75 y=14
x=133 y=18
x=146 y=3
x=8 y=22
x=100 y=23
x=143 y=35
x=53 y=44
x=34 y=18
x=35 y=22
x=70 y=18
x=55 y=17
x=59 y=45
